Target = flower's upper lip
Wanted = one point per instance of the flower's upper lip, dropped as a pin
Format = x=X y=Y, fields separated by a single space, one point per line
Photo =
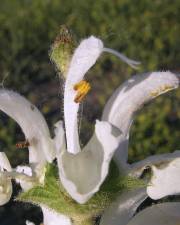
x=32 y=123
x=134 y=93
x=83 y=59
x=130 y=97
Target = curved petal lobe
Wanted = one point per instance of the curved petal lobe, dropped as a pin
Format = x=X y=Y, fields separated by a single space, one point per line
x=4 y=162
x=136 y=169
x=165 y=180
x=32 y=123
x=131 y=96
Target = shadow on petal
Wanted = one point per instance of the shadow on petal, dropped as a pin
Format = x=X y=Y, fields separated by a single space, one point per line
x=160 y=214
x=123 y=209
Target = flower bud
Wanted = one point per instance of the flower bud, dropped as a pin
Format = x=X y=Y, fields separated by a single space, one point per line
x=62 y=50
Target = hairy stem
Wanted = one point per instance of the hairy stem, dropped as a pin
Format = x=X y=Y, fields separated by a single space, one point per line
x=88 y=221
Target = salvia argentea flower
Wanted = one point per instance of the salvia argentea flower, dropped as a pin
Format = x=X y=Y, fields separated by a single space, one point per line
x=82 y=171
x=74 y=177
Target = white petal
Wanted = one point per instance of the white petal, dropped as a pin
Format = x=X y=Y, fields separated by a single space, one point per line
x=132 y=95
x=5 y=189
x=123 y=209
x=136 y=169
x=121 y=154
x=25 y=185
x=83 y=59
x=24 y=169
x=29 y=176
x=32 y=123
x=53 y=218
x=59 y=139
x=5 y=183
x=83 y=173
x=165 y=180
x=4 y=162
x=160 y=214
x=29 y=223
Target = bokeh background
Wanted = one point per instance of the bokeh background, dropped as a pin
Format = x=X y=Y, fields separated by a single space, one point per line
x=143 y=30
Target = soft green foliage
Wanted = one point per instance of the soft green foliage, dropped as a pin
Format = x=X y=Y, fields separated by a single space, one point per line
x=54 y=196
x=144 y=30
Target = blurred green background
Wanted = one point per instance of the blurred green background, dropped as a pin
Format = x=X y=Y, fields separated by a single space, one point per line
x=143 y=30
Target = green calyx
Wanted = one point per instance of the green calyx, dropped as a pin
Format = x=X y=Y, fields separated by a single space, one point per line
x=54 y=196
x=62 y=50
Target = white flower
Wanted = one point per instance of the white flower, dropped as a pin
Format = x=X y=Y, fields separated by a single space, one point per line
x=74 y=164
x=97 y=154
x=120 y=111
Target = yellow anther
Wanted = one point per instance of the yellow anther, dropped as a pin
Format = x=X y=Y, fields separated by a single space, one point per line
x=82 y=88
